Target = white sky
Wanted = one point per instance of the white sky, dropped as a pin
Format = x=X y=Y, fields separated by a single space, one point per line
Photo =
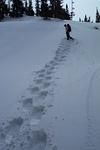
x=83 y=7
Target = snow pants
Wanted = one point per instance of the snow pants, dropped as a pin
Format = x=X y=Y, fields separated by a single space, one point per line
x=68 y=35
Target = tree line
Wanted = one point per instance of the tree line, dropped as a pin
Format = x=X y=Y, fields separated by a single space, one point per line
x=44 y=8
x=88 y=19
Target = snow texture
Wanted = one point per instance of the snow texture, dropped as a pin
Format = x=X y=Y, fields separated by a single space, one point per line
x=49 y=86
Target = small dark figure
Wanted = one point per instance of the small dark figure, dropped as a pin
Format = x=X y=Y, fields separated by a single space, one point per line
x=68 y=30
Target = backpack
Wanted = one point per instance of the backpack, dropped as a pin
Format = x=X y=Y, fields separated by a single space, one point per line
x=69 y=28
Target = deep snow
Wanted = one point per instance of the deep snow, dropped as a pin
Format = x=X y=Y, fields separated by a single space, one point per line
x=49 y=87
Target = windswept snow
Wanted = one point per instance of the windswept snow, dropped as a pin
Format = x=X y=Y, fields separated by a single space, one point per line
x=49 y=87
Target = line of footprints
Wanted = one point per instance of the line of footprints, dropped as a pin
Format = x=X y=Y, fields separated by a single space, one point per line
x=23 y=133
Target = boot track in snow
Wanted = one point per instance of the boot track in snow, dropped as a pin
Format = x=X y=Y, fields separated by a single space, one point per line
x=25 y=132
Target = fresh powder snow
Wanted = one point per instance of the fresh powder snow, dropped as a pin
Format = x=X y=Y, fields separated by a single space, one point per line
x=49 y=86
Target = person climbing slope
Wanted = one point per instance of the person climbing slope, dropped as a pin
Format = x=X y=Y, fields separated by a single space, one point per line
x=68 y=30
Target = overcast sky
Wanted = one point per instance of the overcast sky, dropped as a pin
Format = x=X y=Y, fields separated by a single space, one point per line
x=84 y=6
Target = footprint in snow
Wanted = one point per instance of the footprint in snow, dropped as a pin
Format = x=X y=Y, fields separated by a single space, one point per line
x=36 y=114
x=11 y=130
x=49 y=72
x=38 y=81
x=27 y=140
x=51 y=62
x=42 y=70
x=47 y=66
x=31 y=110
x=27 y=105
x=43 y=94
x=41 y=75
x=27 y=102
x=51 y=68
x=45 y=85
x=38 y=111
x=54 y=147
x=34 y=90
x=48 y=78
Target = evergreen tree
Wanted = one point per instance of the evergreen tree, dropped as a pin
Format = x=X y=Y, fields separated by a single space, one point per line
x=17 y=8
x=51 y=8
x=89 y=19
x=26 y=7
x=85 y=19
x=9 y=5
x=63 y=13
x=80 y=19
x=57 y=11
x=3 y=9
x=6 y=9
x=58 y=8
x=67 y=13
x=55 y=7
x=30 y=11
x=44 y=9
x=97 y=16
x=67 y=10
x=37 y=8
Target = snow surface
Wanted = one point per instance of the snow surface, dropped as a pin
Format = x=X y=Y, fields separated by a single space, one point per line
x=49 y=87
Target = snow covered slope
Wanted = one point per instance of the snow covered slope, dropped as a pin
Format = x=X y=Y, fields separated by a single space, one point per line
x=49 y=87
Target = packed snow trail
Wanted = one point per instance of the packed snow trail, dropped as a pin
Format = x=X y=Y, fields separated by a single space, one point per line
x=75 y=117
x=24 y=132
